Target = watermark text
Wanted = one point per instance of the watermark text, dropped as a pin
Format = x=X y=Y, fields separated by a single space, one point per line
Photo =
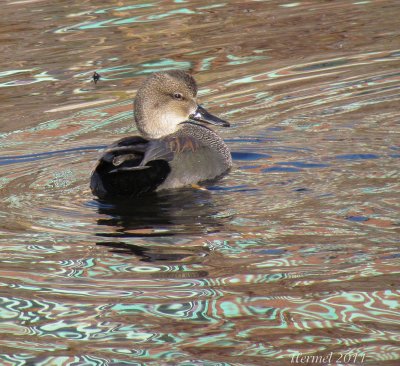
x=337 y=357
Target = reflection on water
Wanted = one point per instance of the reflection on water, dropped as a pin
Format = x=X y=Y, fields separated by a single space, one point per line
x=295 y=251
x=183 y=211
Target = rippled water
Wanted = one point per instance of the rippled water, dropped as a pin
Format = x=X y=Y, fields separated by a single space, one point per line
x=295 y=253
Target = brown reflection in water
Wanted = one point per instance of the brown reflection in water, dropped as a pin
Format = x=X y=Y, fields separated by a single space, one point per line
x=55 y=55
x=289 y=270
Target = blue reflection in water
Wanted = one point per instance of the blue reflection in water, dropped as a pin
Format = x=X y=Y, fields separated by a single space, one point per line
x=357 y=156
x=249 y=156
x=357 y=218
x=15 y=159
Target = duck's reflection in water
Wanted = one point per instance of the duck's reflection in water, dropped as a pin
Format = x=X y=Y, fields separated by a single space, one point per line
x=166 y=220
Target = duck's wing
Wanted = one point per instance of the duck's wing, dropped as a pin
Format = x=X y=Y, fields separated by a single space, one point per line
x=120 y=171
x=125 y=153
x=133 y=165
x=167 y=148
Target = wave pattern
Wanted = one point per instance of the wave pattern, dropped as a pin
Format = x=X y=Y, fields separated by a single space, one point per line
x=294 y=254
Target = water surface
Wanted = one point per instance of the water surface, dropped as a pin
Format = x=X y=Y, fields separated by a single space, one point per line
x=295 y=252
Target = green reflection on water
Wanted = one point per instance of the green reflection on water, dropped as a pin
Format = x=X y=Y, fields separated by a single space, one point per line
x=125 y=8
x=230 y=309
x=12 y=72
x=206 y=63
x=132 y=70
x=95 y=25
x=43 y=76
x=150 y=18
x=236 y=60
x=212 y=6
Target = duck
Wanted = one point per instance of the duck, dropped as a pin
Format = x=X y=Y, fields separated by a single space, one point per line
x=176 y=147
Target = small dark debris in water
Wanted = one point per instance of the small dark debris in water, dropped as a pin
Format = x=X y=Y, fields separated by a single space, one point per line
x=96 y=77
x=301 y=190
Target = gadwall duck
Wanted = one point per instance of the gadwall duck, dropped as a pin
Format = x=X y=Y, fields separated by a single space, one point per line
x=174 y=149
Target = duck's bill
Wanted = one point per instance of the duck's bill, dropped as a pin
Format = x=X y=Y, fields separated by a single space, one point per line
x=201 y=115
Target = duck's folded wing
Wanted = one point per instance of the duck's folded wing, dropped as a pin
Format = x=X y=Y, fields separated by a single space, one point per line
x=167 y=147
x=125 y=154
x=120 y=173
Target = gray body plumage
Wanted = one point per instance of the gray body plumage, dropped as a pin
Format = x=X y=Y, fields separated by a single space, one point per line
x=209 y=161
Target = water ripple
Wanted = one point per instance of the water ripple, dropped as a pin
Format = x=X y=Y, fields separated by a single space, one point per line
x=295 y=251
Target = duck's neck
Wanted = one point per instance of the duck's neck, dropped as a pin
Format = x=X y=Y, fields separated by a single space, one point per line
x=154 y=124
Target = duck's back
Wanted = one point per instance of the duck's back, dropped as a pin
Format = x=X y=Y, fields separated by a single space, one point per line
x=133 y=166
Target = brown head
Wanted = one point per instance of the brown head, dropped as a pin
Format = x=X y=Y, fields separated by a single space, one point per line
x=166 y=100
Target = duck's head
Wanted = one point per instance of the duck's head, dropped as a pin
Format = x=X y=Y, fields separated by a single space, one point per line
x=166 y=100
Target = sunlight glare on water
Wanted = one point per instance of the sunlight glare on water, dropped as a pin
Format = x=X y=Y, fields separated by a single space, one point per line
x=295 y=252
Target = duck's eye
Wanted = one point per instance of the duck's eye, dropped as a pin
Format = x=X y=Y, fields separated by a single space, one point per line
x=178 y=96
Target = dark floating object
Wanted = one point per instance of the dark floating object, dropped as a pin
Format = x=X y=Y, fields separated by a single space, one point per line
x=96 y=77
x=175 y=150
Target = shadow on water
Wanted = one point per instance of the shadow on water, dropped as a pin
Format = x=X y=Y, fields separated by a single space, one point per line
x=156 y=217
